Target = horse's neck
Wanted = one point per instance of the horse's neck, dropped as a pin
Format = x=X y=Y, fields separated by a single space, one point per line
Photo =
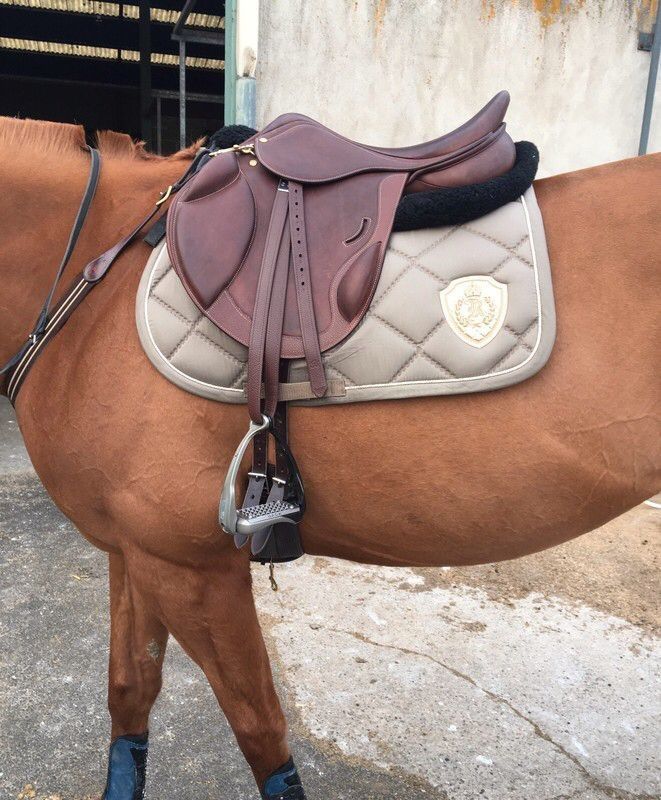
x=37 y=214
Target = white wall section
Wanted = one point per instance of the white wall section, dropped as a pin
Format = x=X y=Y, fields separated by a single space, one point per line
x=398 y=71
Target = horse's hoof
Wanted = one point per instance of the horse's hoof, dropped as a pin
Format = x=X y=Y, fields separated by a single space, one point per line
x=284 y=784
x=127 y=768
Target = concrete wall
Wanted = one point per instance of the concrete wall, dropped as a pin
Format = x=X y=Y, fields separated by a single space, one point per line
x=397 y=71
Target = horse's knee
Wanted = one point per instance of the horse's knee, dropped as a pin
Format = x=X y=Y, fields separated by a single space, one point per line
x=128 y=694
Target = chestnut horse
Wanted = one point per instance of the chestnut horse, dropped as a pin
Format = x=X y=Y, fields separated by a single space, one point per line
x=137 y=464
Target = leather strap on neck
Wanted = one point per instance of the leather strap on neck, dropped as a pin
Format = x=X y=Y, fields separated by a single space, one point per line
x=97 y=268
x=13 y=373
x=42 y=323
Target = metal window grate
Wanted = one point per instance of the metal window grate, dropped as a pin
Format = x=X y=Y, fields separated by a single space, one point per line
x=108 y=53
x=105 y=9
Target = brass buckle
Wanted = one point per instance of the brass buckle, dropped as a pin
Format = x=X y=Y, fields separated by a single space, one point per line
x=165 y=195
x=245 y=149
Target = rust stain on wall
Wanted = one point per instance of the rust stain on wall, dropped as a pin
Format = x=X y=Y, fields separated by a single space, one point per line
x=553 y=11
x=647 y=13
x=380 y=14
x=488 y=10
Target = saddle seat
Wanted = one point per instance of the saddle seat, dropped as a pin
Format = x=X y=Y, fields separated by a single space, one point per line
x=280 y=241
x=482 y=134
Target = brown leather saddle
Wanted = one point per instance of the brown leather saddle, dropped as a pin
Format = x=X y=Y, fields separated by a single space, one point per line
x=280 y=242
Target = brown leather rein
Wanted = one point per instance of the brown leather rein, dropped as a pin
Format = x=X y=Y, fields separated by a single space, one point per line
x=50 y=322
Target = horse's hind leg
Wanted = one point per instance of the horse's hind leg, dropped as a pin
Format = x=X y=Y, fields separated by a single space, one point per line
x=209 y=609
x=137 y=646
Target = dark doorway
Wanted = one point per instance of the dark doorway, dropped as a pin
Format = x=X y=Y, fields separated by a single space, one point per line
x=76 y=66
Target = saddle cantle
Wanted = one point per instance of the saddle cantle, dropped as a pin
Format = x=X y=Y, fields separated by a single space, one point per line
x=280 y=241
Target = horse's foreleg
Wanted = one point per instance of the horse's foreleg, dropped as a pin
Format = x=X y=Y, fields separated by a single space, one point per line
x=209 y=609
x=137 y=646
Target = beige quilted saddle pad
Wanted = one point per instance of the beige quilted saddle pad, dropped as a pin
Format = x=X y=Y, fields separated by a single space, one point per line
x=457 y=309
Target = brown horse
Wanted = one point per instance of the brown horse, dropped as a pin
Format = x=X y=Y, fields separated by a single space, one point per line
x=137 y=464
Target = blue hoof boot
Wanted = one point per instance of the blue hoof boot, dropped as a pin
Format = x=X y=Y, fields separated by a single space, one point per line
x=284 y=784
x=127 y=768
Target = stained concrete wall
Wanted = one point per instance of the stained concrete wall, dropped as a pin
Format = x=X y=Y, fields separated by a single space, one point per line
x=397 y=71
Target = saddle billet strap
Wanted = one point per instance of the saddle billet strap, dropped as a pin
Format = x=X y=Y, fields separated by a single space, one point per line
x=281 y=475
x=303 y=283
x=280 y=420
x=281 y=472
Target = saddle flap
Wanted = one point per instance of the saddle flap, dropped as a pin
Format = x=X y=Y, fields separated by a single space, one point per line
x=217 y=235
x=210 y=228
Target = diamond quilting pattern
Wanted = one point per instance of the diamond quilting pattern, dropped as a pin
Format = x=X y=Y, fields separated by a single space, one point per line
x=388 y=348
x=418 y=291
x=404 y=337
x=170 y=290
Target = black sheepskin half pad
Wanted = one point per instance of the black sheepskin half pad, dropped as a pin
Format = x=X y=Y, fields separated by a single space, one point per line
x=437 y=207
x=460 y=204
x=229 y=136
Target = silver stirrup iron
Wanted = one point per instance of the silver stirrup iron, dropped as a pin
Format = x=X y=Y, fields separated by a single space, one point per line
x=252 y=520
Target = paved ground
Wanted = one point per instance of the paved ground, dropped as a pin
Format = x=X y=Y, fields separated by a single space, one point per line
x=528 y=680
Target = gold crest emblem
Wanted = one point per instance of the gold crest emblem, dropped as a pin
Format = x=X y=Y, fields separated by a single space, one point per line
x=475 y=308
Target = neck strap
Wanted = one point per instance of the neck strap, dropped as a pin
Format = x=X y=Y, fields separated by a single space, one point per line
x=40 y=326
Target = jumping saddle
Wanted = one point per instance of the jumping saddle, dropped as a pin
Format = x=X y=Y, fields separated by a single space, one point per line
x=280 y=242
